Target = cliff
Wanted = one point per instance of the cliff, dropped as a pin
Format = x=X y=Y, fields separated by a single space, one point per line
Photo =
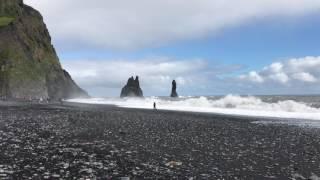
x=132 y=88
x=29 y=65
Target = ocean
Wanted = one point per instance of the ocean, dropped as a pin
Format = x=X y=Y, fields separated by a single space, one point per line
x=303 y=110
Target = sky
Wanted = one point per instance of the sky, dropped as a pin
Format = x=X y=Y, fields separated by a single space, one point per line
x=210 y=47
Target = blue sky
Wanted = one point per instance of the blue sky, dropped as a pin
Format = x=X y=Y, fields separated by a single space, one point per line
x=253 y=44
x=236 y=52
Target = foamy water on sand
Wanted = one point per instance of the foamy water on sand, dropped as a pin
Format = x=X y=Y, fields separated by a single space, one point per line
x=288 y=107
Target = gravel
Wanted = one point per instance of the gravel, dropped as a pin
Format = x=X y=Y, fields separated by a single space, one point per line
x=105 y=142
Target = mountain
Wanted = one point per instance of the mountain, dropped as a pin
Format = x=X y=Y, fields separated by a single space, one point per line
x=132 y=88
x=29 y=65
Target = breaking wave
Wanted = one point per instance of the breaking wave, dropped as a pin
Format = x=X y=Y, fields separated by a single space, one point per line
x=228 y=105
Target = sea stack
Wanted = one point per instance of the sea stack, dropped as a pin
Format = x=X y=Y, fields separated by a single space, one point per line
x=132 y=88
x=174 y=89
x=29 y=65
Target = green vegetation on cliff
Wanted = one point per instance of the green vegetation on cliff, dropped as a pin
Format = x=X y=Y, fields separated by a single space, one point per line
x=5 y=21
x=11 y=8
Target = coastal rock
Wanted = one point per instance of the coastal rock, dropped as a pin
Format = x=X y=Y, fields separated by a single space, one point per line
x=174 y=89
x=29 y=65
x=10 y=7
x=132 y=88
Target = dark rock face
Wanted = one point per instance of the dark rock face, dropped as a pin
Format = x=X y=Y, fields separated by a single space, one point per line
x=174 y=89
x=132 y=88
x=11 y=7
x=29 y=65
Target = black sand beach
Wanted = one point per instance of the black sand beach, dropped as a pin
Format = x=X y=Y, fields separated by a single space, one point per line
x=105 y=142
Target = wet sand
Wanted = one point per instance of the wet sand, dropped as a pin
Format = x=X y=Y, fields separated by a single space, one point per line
x=105 y=142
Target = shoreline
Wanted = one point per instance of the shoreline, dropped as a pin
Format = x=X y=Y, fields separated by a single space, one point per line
x=55 y=141
x=252 y=117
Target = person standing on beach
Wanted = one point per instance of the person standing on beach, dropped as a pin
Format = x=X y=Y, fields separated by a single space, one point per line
x=154 y=106
x=61 y=101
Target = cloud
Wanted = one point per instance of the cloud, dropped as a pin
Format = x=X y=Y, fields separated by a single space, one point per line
x=107 y=77
x=195 y=76
x=125 y=24
x=252 y=76
x=304 y=76
x=291 y=72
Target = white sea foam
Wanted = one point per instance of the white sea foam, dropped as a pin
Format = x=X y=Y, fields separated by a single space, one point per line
x=229 y=105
